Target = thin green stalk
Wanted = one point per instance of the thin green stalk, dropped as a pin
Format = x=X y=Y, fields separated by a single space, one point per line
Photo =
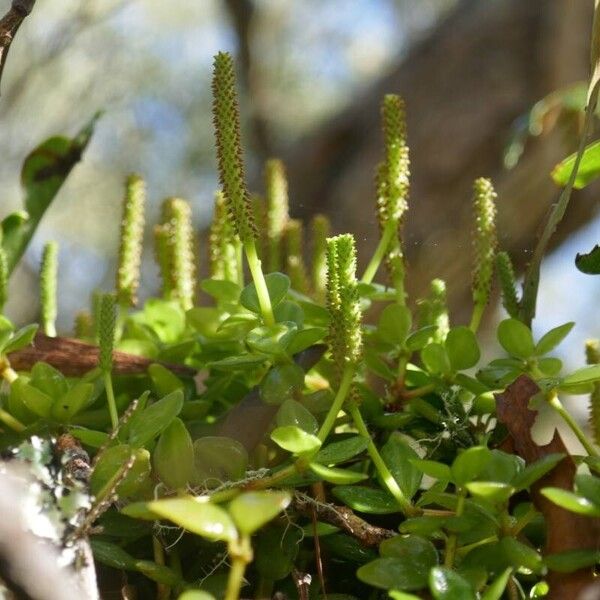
x=532 y=276
x=258 y=277
x=163 y=591
x=241 y=555
x=48 y=276
x=478 y=311
x=9 y=420
x=110 y=396
x=556 y=404
x=418 y=392
x=523 y=521
x=388 y=479
x=338 y=402
x=452 y=539
x=384 y=242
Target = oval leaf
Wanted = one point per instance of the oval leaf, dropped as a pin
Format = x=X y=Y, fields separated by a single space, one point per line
x=252 y=510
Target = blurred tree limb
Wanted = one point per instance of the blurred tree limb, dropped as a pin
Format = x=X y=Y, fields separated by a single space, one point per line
x=9 y=25
x=242 y=14
x=465 y=84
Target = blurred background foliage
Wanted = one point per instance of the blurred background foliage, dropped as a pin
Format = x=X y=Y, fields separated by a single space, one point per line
x=304 y=68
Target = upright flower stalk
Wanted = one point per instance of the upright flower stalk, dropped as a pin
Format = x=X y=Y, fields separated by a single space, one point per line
x=177 y=218
x=48 y=277
x=231 y=172
x=508 y=286
x=485 y=243
x=294 y=259
x=224 y=245
x=392 y=187
x=106 y=331
x=132 y=237
x=276 y=188
x=320 y=228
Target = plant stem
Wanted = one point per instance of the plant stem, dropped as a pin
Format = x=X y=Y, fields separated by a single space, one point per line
x=163 y=591
x=9 y=420
x=379 y=254
x=478 y=310
x=338 y=402
x=259 y=282
x=388 y=479
x=452 y=539
x=556 y=404
x=532 y=276
x=110 y=396
x=241 y=554
x=418 y=392
x=523 y=521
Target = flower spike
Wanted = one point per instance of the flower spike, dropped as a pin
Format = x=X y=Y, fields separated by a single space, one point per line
x=224 y=245
x=48 y=275
x=277 y=210
x=485 y=243
x=295 y=267
x=177 y=216
x=3 y=278
x=320 y=231
x=132 y=234
x=506 y=278
x=229 y=147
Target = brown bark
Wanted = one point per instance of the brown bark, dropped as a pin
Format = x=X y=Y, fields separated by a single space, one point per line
x=464 y=86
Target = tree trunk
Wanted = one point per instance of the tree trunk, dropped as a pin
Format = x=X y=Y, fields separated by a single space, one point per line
x=464 y=85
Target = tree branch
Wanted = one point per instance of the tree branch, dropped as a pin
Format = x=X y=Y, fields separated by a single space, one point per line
x=9 y=25
x=343 y=517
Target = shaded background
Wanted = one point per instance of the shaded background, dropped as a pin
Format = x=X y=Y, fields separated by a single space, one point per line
x=312 y=74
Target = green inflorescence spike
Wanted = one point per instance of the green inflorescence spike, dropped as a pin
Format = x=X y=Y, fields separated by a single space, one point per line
x=343 y=301
x=508 y=285
x=177 y=217
x=229 y=148
x=224 y=245
x=433 y=310
x=107 y=316
x=132 y=235
x=84 y=325
x=3 y=278
x=162 y=256
x=294 y=259
x=592 y=353
x=392 y=179
x=48 y=277
x=396 y=169
x=320 y=231
x=485 y=243
x=276 y=187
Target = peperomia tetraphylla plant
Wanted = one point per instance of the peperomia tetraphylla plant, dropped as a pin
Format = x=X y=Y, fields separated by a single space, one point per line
x=275 y=442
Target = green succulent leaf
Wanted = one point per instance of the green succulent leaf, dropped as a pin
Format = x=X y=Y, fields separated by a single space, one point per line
x=516 y=338
x=367 y=500
x=571 y=501
x=469 y=464
x=278 y=285
x=251 y=510
x=218 y=459
x=295 y=440
x=589 y=263
x=394 y=324
x=149 y=423
x=339 y=452
x=196 y=515
x=462 y=348
x=20 y=339
x=553 y=338
x=588 y=171
x=335 y=475
x=446 y=584
x=173 y=457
